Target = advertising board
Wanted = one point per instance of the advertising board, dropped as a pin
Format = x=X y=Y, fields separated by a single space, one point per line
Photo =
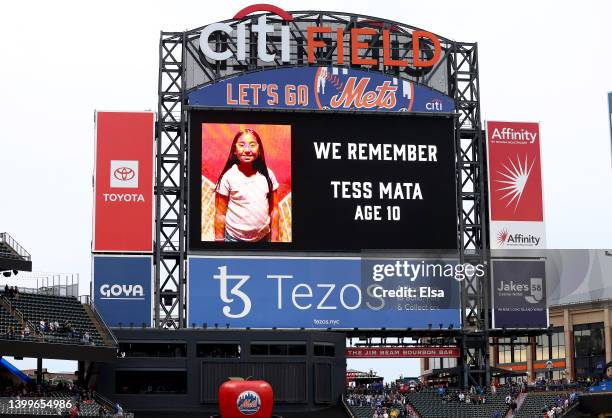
x=403 y=352
x=321 y=88
x=515 y=186
x=519 y=294
x=123 y=182
x=122 y=289
x=308 y=292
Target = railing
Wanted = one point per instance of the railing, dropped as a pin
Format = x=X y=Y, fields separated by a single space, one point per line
x=346 y=407
x=8 y=240
x=17 y=313
x=104 y=326
x=51 y=284
x=109 y=404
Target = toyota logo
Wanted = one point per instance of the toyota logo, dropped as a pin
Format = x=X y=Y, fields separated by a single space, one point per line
x=123 y=173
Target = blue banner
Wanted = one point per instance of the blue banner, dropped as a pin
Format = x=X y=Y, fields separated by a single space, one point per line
x=340 y=293
x=519 y=294
x=321 y=88
x=122 y=289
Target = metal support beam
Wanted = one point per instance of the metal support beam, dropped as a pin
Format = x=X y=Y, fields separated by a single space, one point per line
x=171 y=176
x=472 y=234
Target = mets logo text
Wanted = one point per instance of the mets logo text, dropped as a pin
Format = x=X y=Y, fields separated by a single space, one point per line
x=248 y=402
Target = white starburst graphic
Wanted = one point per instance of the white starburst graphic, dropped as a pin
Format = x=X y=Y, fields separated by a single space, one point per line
x=516 y=176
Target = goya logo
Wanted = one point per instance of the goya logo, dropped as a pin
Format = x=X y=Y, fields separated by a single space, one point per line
x=248 y=402
x=122 y=291
x=339 y=88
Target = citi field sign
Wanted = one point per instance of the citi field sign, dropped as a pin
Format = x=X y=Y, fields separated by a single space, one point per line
x=314 y=43
x=275 y=60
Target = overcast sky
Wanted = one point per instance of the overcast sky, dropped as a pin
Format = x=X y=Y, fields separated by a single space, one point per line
x=546 y=61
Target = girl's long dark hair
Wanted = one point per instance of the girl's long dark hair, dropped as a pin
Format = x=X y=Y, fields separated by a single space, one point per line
x=259 y=164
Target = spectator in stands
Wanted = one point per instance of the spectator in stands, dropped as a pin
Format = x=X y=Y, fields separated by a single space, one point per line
x=26 y=330
x=6 y=290
x=10 y=332
x=74 y=411
x=118 y=410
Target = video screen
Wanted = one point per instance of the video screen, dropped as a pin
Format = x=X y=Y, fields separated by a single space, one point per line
x=321 y=182
x=246 y=183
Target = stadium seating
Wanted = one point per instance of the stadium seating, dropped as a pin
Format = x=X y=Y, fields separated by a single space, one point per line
x=8 y=320
x=37 y=307
x=534 y=402
x=429 y=404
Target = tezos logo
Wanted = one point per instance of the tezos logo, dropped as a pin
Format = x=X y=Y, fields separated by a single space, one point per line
x=122 y=291
x=248 y=402
x=124 y=174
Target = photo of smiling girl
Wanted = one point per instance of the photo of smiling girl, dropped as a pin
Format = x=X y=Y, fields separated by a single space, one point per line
x=246 y=194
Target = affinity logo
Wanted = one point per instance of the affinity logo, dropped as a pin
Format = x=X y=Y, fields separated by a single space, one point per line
x=124 y=174
x=248 y=402
x=514 y=177
x=504 y=237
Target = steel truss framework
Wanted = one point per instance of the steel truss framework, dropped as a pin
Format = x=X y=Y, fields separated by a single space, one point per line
x=459 y=65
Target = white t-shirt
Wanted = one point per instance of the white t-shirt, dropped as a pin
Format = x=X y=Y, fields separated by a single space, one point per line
x=248 y=210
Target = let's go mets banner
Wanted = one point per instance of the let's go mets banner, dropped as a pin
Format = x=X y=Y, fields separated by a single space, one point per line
x=322 y=88
x=515 y=186
x=123 y=184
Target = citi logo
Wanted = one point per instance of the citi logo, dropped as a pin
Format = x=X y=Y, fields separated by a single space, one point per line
x=435 y=104
x=124 y=174
x=122 y=291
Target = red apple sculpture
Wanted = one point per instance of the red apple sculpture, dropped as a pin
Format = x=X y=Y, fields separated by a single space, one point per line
x=239 y=398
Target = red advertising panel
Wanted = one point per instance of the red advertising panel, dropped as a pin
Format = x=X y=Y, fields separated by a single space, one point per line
x=402 y=352
x=515 y=185
x=123 y=185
